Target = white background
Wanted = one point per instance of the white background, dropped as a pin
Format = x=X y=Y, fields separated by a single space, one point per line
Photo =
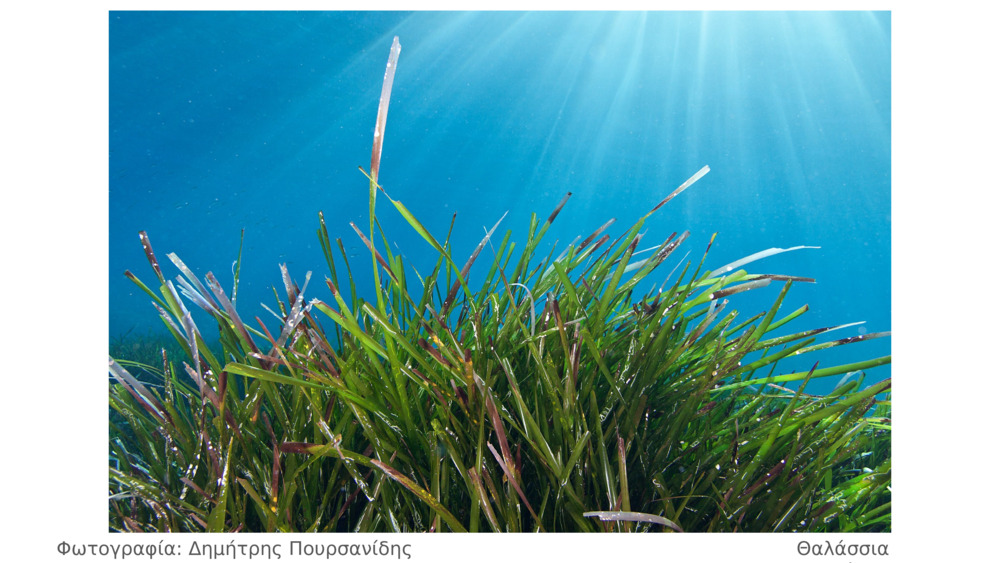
x=54 y=221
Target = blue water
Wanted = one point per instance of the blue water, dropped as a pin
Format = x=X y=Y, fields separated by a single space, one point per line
x=221 y=121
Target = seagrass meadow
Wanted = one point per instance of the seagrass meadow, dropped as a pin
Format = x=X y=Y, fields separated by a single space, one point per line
x=580 y=388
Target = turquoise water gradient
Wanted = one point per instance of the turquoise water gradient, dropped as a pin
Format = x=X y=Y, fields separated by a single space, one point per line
x=258 y=120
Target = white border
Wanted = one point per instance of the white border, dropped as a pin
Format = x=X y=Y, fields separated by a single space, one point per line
x=55 y=286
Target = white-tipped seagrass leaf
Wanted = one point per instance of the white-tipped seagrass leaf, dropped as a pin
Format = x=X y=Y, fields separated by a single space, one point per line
x=606 y=516
x=753 y=258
